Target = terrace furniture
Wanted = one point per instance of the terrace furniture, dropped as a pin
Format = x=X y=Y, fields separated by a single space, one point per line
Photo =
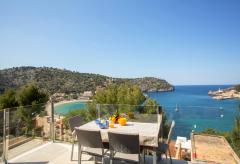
x=124 y=147
x=163 y=147
x=90 y=142
x=148 y=133
x=145 y=149
x=73 y=122
x=180 y=140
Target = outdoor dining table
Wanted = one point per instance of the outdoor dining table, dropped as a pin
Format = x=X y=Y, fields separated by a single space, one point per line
x=148 y=133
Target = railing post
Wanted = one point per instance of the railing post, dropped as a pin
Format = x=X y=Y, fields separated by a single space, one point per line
x=52 y=121
x=5 y=135
x=98 y=110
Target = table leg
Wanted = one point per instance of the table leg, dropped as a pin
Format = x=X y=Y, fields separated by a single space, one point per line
x=154 y=156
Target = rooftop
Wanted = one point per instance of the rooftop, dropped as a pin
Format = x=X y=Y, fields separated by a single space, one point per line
x=216 y=149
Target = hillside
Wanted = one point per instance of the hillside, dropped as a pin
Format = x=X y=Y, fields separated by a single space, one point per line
x=61 y=80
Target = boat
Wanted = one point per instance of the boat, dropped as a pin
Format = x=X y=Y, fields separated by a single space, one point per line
x=176 y=109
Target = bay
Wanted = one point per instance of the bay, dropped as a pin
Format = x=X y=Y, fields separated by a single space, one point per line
x=196 y=109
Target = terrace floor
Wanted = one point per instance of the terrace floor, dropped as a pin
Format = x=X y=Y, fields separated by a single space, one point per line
x=56 y=153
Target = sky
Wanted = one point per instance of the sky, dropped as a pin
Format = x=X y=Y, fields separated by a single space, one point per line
x=185 y=42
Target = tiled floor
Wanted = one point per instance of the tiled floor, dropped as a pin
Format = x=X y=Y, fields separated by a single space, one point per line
x=59 y=153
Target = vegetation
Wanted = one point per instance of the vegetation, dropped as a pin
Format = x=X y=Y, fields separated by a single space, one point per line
x=30 y=95
x=148 y=83
x=150 y=106
x=121 y=95
x=235 y=133
x=56 y=80
x=237 y=87
x=124 y=98
x=232 y=136
x=8 y=99
x=31 y=101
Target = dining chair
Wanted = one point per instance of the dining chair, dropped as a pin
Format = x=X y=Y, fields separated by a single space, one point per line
x=145 y=150
x=124 y=147
x=163 y=147
x=90 y=142
x=73 y=122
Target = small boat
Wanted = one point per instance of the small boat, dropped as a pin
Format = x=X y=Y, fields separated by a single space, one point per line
x=176 y=109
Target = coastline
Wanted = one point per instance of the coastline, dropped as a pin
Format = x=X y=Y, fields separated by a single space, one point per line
x=222 y=94
x=70 y=101
x=48 y=106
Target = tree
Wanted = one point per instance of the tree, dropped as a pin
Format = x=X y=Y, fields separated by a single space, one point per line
x=119 y=94
x=150 y=106
x=8 y=99
x=32 y=102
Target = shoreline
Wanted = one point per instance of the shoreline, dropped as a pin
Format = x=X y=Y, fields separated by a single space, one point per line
x=223 y=94
x=48 y=106
x=70 y=101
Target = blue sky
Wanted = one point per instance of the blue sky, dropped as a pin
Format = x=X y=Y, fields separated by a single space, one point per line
x=182 y=41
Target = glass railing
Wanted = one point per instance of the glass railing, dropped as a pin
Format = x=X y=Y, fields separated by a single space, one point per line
x=199 y=118
x=1 y=134
x=23 y=128
x=133 y=113
x=108 y=112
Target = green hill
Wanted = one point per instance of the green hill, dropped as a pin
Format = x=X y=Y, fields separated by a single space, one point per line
x=60 y=80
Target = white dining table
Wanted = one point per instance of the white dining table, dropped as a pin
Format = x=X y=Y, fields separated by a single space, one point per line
x=148 y=132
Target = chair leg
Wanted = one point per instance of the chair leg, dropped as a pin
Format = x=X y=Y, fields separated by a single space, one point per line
x=170 y=156
x=79 y=154
x=72 y=151
x=140 y=159
x=143 y=154
x=111 y=157
x=166 y=157
x=102 y=159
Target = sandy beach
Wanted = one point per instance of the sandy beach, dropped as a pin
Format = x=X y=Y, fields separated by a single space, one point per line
x=70 y=101
x=48 y=106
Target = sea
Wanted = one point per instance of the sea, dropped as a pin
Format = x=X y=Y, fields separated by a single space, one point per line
x=192 y=109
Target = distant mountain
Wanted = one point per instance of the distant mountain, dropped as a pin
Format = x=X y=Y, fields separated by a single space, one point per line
x=60 y=80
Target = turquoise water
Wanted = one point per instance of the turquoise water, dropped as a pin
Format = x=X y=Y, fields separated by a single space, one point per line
x=65 y=108
x=197 y=110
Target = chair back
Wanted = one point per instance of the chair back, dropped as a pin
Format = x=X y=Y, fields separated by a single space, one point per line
x=170 y=132
x=89 y=138
x=75 y=122
x=160 y=127
x=124 y=143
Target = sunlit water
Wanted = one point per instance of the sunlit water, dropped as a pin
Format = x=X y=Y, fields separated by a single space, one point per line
x=63 y=109
x=196 y=109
